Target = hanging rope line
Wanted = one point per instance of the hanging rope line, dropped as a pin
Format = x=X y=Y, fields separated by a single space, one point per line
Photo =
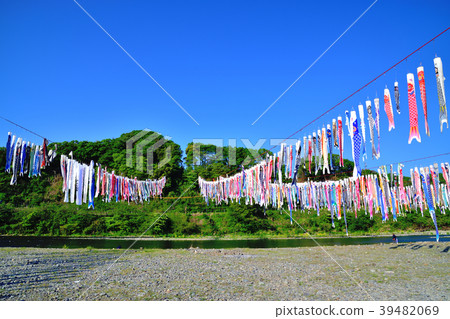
x=136 y=62
x=315 y=61
x=22 y=127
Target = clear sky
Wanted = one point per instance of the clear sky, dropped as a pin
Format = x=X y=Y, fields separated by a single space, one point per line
x=225 y=62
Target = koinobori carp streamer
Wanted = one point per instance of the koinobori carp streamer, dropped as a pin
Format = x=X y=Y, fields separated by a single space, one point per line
x=376 y=103
x=335 y=133
x=330 y=144
x=413 y=114
x=326 y=167
x=371 y=127
x=441 y=91
x=363 y=130
x=428 y=195
x=388 y=108
x=397 y=96
x=423 y=97
x=341 y=142
x=356 y=143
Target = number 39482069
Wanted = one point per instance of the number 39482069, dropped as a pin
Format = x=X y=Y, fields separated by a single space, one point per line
x=409 y=310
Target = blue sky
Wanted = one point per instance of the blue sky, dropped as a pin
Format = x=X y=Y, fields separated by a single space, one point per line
x=225 y=62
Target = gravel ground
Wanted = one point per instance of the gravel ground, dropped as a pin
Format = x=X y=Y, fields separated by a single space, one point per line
x=418 y=271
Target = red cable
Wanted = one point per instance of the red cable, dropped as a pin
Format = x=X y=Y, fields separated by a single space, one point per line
x=326 y=112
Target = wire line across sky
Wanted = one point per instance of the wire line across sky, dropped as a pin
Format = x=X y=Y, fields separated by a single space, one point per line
x=136 y=62
x=312 y=64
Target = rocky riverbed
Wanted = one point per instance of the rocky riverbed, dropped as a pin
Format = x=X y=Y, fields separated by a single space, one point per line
x=418 y=271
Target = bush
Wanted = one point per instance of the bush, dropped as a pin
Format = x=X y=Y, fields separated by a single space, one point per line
x=183 y=225
x=208 y=225
x=6 y=214
x=97 y=227
x=242 y=218
x=162 y=226
x=123 y=223
x=35 y=222
x=362 y=223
